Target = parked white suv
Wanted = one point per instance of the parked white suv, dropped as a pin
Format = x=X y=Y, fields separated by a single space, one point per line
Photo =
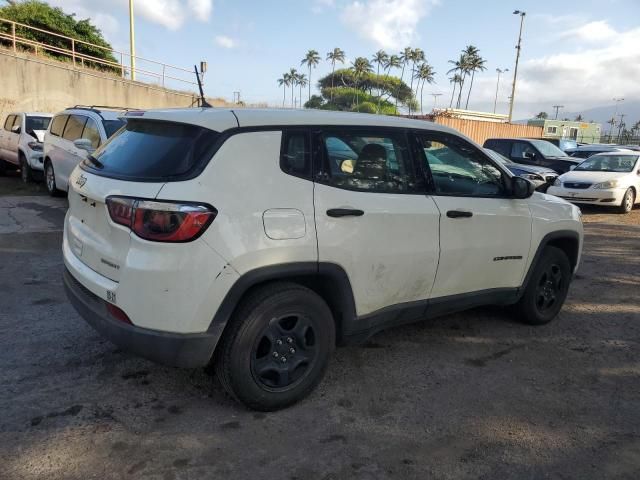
x=258 y=239
x=21 y=142
x=73 y=134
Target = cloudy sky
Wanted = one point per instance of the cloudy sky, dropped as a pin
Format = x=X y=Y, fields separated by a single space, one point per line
x=577 y=53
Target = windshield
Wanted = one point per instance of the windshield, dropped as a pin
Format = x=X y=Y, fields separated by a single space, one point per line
x=608 y=163
x=498 y=157
x=37 y=123
x=148 y=149
x=112 y=126
x=548 y=149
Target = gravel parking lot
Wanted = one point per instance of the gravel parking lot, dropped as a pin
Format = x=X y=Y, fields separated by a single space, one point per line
x=473 y=395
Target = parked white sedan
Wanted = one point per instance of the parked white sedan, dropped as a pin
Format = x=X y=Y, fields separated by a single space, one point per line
x=608 y=179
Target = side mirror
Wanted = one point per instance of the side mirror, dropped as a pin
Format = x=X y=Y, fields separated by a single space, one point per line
x=572 y=167
x=530 y=155
x=84 y=144
x=522 y=188
x=347 y=166
x=15 y=129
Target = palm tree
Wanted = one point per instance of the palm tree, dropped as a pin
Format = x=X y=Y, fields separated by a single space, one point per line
x=461 y=67
x=424 y=74
x=380 y=58
x=392 y=62
x=476 y=63
x=301 y=81
x=336 y=55
x=360 y=67
x=456 y=79
x=405 y=58
x=417 y=56
x=293 y=76
x=312 y=59
x=284 y=83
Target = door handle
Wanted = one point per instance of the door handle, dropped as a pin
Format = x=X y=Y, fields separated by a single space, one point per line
x=344 y=212
x=459 y=214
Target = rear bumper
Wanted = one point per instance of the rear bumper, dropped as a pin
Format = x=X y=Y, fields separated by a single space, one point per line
x=189 y=350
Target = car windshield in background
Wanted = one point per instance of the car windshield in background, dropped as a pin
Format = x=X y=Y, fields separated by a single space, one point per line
x=112 y=126
x=608 y=163
x=37 y=123
x=148 y=149
x=548 y=149
x=498 y=157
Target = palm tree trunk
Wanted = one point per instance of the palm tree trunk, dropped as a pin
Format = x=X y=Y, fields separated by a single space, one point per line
x=292 y=95
x=401 y=78
x=421 y=95
x=301 y=96
x=453 y=94
x=413 y=65
x=333 y=72
x=309 y=86
x=379 y=94
x=284 y=94
x=460 y=92
x=473 y=74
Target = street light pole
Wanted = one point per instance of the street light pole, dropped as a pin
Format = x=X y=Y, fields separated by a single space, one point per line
x=500 y=72
x=557 y=108
x=132 y=42
x=515 y=72
x=435 y=99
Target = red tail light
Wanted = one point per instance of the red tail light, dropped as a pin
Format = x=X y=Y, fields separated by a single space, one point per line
x=161 y=221
x=118 y=313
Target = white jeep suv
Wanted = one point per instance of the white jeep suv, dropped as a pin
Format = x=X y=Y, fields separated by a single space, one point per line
x=260 y=239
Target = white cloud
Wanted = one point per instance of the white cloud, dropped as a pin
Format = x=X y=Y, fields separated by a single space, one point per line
x=579 y=79
x=224 y=41
x=171 y=14
x=591 y=32
x=387 y=23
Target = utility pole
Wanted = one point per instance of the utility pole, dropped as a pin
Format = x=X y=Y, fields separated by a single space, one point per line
x=515 y=72
x=500 y=72
x=615 y=114
x=557 y=107
x=132 y=42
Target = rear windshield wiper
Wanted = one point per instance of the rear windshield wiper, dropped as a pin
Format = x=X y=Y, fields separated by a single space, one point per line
x=97 y=163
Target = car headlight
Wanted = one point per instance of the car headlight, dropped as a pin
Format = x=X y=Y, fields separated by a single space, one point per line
x=35 y=146
x=557 y=183
x=609 y=184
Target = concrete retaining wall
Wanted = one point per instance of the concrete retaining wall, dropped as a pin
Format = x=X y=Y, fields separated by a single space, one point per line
x=28 y=83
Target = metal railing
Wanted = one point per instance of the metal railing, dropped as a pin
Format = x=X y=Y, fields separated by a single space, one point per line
x=161 y=73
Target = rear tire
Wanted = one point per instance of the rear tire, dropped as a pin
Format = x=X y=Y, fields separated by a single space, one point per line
x=50 y=180
x=276 y=347
x=628 y=201
x=547 y=288
x=26 y=174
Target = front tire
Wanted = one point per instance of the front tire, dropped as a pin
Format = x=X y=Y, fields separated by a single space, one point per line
x=547 y=288
x=628 y=201
x=26 y=174
x=50 y=180
x=277 y=346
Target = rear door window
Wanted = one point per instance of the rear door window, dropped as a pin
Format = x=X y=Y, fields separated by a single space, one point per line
x=153 y=150
x=521 y=150
x=75 y=125
x=57 y=125
x=295 y=158
x=91 y=133
x=8 y=123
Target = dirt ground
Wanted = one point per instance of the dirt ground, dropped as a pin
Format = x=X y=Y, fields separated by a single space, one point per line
x=467 y=396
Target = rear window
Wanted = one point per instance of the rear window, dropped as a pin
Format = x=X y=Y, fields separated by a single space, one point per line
x=153 y=150
x=57 y=125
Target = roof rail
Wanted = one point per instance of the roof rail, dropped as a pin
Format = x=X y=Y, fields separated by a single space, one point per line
x=104 y=107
